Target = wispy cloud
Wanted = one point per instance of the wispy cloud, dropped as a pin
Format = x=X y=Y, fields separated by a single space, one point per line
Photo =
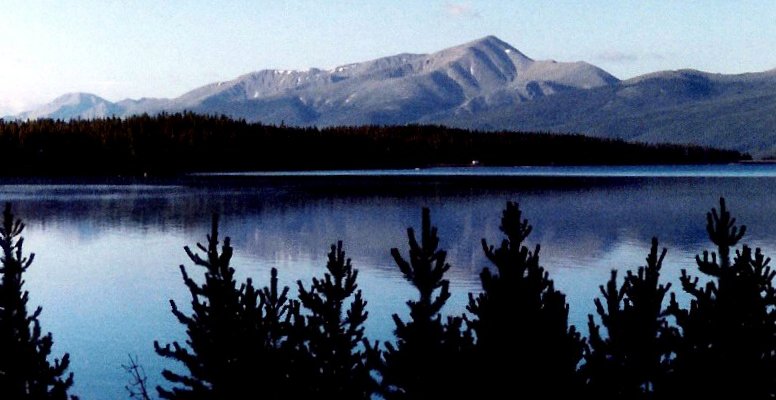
x=461 y=10
x=616 y=56
x=620 y=57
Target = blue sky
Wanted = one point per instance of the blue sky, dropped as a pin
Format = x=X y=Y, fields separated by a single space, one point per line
x=155 y=48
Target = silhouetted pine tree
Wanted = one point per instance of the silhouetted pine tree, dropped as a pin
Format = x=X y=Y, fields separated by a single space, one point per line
x=728 y=346
x=631 y=360
x=237 y=336
x=335 y=334
x=428 y=359
x=25 y=372
x=524 y=342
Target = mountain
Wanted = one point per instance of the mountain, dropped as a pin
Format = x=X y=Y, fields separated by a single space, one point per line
x=687 y=106
x=399 y=89
x=394 y=90
x=74 y=105
x=484 y=84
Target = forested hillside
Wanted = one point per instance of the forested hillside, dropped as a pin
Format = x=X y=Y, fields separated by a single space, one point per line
x=186 y=142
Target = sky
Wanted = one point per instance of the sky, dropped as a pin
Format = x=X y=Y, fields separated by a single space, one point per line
x=120 y=49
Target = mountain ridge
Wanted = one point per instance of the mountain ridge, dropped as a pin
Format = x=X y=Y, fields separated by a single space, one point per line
x=483 y=84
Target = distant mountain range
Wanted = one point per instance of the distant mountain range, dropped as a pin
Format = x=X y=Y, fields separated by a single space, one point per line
x=485 y=84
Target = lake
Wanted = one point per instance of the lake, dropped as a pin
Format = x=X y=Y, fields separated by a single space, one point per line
x=108 y=251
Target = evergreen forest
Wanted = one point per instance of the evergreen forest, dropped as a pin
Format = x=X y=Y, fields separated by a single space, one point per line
x=171 y=144
x=257 y=339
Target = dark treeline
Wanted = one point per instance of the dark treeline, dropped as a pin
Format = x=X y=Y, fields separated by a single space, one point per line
x=514 y=341
x=180 y=143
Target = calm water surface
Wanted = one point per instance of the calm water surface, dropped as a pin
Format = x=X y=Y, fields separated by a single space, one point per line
x=107 y=253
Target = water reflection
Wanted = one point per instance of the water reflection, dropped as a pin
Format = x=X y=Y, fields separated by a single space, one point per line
x=107 y=253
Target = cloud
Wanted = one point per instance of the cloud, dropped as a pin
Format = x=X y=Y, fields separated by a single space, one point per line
x=461 y=10
x=660 y=56
x=616 y=56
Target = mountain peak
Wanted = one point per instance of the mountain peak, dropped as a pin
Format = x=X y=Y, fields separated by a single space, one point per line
x=78 y=97
x=492 y=43
x=489 y=40
x=71 y=105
